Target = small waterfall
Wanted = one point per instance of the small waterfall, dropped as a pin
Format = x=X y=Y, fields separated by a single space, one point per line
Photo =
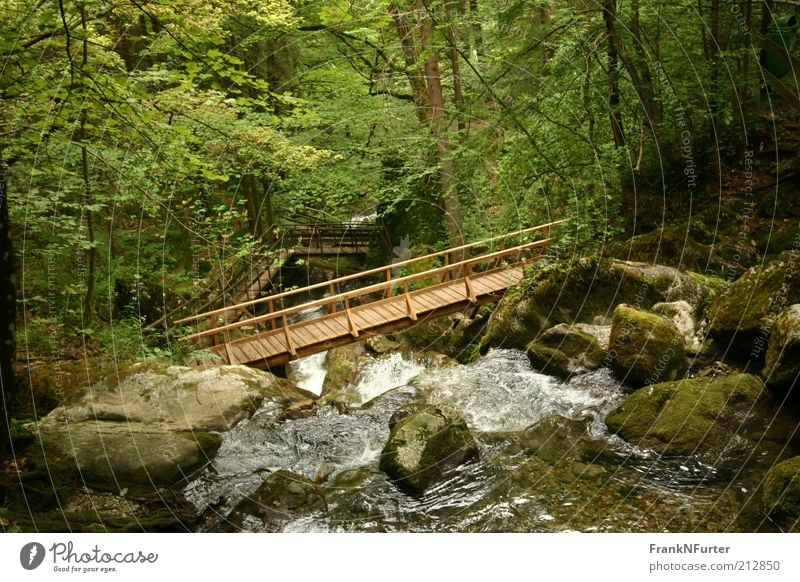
x=500 y=392
x=309 y=373
x=382 y=374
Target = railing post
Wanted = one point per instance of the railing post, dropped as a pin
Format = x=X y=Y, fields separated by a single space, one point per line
x=331 y=293
x=350 y=323
x=410 y=311
x=388 y=291
x=271 y=307
x=288 y=335
x=470 y=292
x=446 y=274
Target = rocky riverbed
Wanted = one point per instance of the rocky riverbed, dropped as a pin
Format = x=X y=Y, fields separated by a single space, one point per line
x=600 y=395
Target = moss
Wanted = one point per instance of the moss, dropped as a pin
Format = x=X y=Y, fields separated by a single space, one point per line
x=782 y=366
x=740 y=318
x=281 y=496
x=696 y=416
x=579 y=290
x=670 y=245
x=563 y=351
x=645 y=348
x=425 y=445
x=343 y=365
x=782 y=494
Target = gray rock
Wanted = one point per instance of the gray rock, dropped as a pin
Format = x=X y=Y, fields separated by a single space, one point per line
x=282 y=497
x=782 y=367
x=585 y=291
x=158 y=424
x=709 y=417
x=645 y=348
x=782 y=494
x=682 y=315
x=424 y=445
x=564 y=350
x=740 y=318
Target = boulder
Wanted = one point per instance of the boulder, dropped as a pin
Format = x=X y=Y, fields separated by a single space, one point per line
x=282 y=497
x=343 y=365
x=675 y=246
x=782 y=367
x=580 y=291
x=741 y=317
x=424 y=445
x=644 y=348
x=698 y=416
x=158 y=424
x=381 y=344
x=557 y=439
x=682 y=315
x=782 y=494
x=564 y=350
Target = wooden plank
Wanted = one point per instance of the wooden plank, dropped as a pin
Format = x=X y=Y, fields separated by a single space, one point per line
x=424 y=302
x=303 y=334
x=428 y=300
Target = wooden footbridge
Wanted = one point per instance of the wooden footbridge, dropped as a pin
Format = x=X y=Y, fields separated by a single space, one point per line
x=365 y=304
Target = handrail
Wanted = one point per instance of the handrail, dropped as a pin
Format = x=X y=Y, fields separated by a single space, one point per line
x=375 y=271
x=346 y=296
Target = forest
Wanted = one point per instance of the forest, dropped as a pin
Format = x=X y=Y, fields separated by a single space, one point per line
x=150 y=147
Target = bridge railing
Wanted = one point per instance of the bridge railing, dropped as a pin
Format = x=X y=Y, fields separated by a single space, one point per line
x=447 y=271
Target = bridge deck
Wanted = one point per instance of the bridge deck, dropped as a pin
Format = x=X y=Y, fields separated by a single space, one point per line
x=276 y=347
x=439 y=284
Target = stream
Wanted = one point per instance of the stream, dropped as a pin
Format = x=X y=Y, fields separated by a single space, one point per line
x=547 y=462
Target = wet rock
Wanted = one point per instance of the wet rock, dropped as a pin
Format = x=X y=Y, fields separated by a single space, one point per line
x=682 y=315
x=580 y=291
x=782 y=494
x=564 y=350
x=645 y=348
x=343 y=365
x=709 y=417
x=741 y=317
x=381 y=344
x=675 y=246
x=425 y=445
x=281 y=498
x=782 y=367
x=556 y=439
x=157 y=425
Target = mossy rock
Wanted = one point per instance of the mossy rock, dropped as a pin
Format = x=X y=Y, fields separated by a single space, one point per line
x=782 y=494
x=425 y=445
x=782 y=368
x=741 y=317
x=282 y=496
x=156 y=425
x=645 y=348
x=564 y=350
x=581 y=290
x=343 y=365
x=675 y=246
x=703 y=416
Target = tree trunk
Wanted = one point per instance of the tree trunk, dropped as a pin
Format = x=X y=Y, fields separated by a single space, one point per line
x=91 y=253
x=8 y=314
x=251 y=205
x=651 y=107
x=416 y=77
x=615 y=113
x=439 y=128
x=458 y=93
x=714 y=59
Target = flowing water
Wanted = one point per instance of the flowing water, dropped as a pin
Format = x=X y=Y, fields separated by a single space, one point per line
x=547 y=461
